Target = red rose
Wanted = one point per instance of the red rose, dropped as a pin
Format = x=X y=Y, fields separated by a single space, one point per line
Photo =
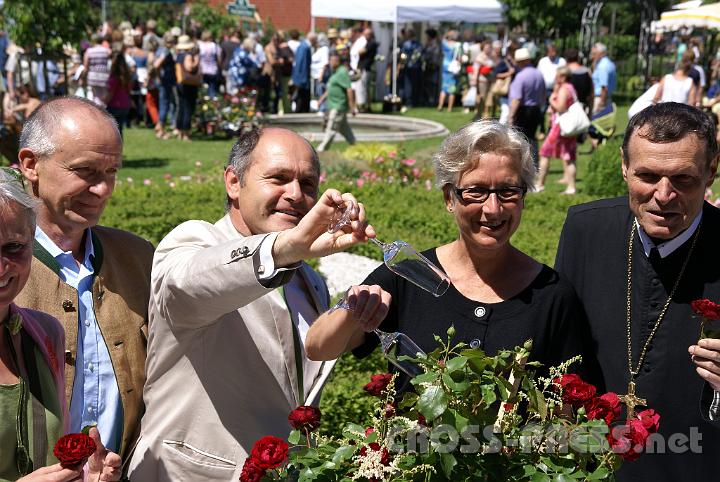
x=629 y=440
x=375 y=447
x=270 y=452
x=74 y=449
x=650 y=420
x=574 y=390
x=251 y=471
x=305 y=417
x=706 y=309
x=378 y=384
x=605 y=407
x=368 y=431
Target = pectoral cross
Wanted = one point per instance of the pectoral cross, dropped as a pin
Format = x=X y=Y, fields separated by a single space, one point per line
x=631 y=401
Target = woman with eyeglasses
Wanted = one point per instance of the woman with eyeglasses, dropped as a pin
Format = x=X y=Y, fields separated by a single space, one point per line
x=32 y=380
x=500 y=297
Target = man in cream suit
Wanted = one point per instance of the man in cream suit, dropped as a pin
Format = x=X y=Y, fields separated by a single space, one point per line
x=230 y=305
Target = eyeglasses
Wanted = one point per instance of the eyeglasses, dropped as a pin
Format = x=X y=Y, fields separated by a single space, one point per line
x=477 y=194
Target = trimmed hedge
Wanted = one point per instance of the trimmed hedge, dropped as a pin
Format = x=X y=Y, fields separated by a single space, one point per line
x=604 y=173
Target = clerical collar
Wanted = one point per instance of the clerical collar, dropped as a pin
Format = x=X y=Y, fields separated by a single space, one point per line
x=668 y=247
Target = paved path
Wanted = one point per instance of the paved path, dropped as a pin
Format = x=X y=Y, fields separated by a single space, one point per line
x=342 y=270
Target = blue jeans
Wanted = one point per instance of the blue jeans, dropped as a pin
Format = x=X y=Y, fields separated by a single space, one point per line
x=213 y=81
x=168 y=105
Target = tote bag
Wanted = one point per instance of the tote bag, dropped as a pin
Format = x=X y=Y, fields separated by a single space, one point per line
x=574 y=121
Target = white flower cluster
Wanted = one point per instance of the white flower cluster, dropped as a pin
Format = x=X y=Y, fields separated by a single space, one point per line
x=371 y=466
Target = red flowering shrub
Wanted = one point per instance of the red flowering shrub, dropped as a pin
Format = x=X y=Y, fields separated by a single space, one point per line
x=270 y=452
x=378 y=384
x=305 y=417
x=575 y=391
x=74 y=449
x=605 y=407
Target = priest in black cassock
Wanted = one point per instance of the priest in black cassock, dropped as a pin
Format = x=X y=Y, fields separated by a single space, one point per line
x=637 y=262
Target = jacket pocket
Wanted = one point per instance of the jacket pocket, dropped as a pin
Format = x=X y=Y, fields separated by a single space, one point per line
x=193 y=456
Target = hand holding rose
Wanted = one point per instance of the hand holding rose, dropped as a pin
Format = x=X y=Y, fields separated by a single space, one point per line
x=706 y=357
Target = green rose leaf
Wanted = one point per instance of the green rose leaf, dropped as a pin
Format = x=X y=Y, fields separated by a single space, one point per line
x=456 y=363
x=429 y=377
x=448 y=463
x=354 y=431
x=601 y=473
x=432 y=402
x=343 y=453
x=295 y=437
x=456 y=386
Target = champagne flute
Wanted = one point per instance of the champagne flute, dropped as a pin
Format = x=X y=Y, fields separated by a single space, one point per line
x=403 y=260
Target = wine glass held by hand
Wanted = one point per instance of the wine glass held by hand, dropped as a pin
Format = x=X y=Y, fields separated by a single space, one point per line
x=500 y=297
x=312 y=238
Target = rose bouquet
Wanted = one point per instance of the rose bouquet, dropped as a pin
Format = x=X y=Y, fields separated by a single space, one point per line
x=471 y=417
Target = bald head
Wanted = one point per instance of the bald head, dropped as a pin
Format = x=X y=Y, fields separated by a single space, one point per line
x=241 y=154
x=74 y=116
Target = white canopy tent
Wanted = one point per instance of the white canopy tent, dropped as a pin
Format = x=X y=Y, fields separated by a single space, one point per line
x=705 y=16
x=398 y=11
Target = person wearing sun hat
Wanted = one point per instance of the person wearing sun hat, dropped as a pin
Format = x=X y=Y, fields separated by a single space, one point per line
x=526 y=96
x=187 y=60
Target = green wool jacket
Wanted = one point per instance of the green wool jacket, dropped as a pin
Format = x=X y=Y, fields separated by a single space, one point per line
x=121 y=291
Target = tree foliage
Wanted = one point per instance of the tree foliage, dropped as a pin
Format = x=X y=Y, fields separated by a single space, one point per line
x=211 y=18
x=562 y=18
x=48 y=23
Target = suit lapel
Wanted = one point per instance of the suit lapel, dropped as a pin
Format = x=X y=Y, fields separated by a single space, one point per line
x=284 y=330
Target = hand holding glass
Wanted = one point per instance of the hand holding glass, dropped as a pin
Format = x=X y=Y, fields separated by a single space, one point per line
x=403 y=260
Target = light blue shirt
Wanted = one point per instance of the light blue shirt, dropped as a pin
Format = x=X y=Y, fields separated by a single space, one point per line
x=95 y=394
x=604 y=75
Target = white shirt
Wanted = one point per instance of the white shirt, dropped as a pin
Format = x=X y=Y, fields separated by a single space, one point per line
x=666 y=248
x=357 y=46
x=548 y=68
x=319 y=61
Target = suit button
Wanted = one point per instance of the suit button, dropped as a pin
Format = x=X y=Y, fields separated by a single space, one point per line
x=68 y=305
x=245 y=250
